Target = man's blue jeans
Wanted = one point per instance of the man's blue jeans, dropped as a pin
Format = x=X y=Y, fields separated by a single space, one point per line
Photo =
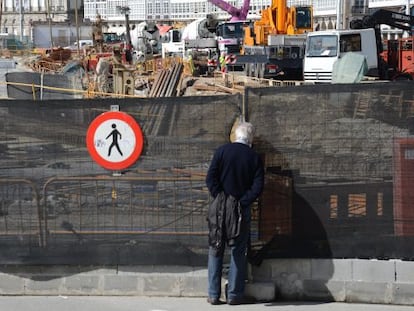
x=237 y=270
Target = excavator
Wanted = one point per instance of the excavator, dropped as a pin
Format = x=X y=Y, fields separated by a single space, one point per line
x=397 y=61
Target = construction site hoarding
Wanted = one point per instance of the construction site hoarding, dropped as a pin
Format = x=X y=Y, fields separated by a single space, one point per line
x=331 y=177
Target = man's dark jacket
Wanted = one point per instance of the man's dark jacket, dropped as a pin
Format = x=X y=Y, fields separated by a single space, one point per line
x=224 y=218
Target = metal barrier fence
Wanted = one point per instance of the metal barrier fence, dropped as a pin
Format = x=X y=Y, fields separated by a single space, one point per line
x=89 y=207
x=20 y=212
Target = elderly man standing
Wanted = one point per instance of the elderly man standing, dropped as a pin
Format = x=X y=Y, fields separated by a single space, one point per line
x=235 y=180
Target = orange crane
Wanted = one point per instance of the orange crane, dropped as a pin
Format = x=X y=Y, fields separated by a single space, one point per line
x=274 y=45
x=278 y=18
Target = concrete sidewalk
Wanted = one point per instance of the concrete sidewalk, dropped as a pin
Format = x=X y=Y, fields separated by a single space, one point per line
x=129 y=303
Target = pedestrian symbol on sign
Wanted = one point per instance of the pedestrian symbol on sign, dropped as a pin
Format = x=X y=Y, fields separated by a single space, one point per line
x=115 y=133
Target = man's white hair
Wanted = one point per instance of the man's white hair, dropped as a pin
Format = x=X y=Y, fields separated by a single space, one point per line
x=244 y=133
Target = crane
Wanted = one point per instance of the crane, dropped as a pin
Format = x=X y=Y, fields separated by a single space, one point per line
x=230 y=33
x=235 y=13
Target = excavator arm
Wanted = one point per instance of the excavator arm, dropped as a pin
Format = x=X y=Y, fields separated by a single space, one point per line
x=235 y=13
x=381 y=16
x=386 y=17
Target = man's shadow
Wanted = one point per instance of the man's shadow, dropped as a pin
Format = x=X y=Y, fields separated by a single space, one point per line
x=296 y=231
x=307 y=240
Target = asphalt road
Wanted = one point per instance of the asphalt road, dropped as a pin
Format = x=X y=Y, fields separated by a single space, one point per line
x=127 y=303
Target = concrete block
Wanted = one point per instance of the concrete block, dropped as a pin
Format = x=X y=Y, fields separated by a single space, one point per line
x=194 y=286
x=120 y=285
x=43 y=285
x=291 y=268
x=261 y=291
x=331 y=269
x=369 y=292
x=82 y=285
x=11 y=285
x=337 y=289
x=290 y=291
x=373 y=270
x=404 y=271
x=402 y=294
x=316 y=290
x=264 y=271
x=162 y=285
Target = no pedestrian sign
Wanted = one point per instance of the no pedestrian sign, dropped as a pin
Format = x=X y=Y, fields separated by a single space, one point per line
x=114 y=140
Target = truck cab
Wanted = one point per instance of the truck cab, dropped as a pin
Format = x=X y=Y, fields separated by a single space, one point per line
x=230 y=36
x=324 y=48
x=172 y=44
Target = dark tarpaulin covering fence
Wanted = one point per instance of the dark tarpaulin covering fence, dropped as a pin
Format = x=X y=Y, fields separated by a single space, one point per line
x=346 y=154
x=154 y=212
x=338 y=176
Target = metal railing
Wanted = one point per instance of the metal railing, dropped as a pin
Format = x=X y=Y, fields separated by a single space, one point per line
x=20 y=211
x=127 y=206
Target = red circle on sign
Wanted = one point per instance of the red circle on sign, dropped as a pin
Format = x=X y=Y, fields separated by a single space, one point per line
x=90 y=140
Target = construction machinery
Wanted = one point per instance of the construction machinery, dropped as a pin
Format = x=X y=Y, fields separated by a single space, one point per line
x=235 y=13
x=230 y=33
x=397 y=62
x=273 y=46
x=196 y=42
x=326 y=48
x=279 y=19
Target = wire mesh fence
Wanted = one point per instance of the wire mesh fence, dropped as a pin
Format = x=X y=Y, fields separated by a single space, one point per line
x=338 y=176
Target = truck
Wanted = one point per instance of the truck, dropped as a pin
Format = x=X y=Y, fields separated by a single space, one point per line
x=197 y=41
x=229 y=34
x=364 y=38
x=325 y=48
x=274 y=45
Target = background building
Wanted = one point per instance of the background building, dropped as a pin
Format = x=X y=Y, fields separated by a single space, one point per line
x=327 y=12
x=18 y=16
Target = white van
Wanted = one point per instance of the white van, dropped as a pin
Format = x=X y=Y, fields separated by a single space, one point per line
x=324 y=48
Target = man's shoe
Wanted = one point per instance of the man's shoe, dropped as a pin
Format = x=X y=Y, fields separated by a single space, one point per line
x=214 y=301
x=235 y=301
x=240 y=301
